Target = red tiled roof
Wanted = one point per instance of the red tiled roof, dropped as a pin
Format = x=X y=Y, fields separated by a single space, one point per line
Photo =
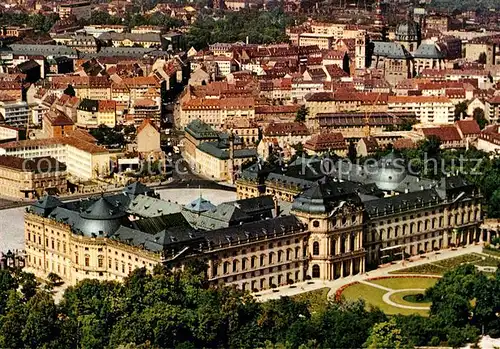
x=286 y=128
x=107 y=106
x=75 y=142
x=326 y=141
x=404 y=143
x=444 y=133
x=145 y=123
x=83 y=135
x=371 y=143
x=57 y=118
x=468 y=127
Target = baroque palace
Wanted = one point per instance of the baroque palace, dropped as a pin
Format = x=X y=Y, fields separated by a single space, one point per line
x=287 y=226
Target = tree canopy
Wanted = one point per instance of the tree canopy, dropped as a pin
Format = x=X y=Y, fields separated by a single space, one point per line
x=178 y=309
x=259 y=27
x=38 y=22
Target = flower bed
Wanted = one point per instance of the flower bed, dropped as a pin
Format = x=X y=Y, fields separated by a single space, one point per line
x=421 y=269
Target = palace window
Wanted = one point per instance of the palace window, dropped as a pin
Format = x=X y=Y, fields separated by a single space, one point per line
x=87 y=260
x=315 y=248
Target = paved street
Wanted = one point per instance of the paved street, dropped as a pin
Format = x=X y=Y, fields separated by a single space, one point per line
x=381 y=271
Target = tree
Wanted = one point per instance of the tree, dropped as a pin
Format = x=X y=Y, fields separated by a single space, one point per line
x=7 y=283
x=346 y=324
x=70 y=91
x=478 y=115
x=482 y=58
x=494 y=205
x=386 y=335
x=352 y=153
x=460 y=110
x=11 y=324
x=302 y=114
x=41 y=326
x=431 y=146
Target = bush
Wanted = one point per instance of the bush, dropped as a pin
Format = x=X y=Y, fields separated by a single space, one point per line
x=435 y=341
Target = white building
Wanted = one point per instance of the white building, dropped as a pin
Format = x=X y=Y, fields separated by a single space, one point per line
x=83 y=160
x=428 y=109
x=14 y=113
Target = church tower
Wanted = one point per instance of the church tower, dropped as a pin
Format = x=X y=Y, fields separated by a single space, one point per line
x=408 y=34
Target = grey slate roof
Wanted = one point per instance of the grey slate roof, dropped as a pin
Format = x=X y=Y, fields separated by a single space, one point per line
x=426 y=50
x=145 y=206
x=43 y=50
x=44 y=205
x=253 y=230
x=136 y=188
x=200 y=130
x=129 y=52
x=324 y=197
x=401 y=202
x=154 y=225
x=134 y=37
x=221 y=216
x=390 y=50
x=199 y=205
x=212 y=149
x=255 y=205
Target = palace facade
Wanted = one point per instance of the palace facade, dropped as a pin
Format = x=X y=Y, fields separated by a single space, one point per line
x=333 y=227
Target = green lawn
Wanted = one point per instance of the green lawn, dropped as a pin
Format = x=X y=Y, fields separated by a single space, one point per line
x=402 y=283
x=398 y=298
x=373 y=297
x=318 y=299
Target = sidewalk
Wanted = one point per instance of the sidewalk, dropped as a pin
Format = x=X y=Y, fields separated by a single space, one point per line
x=334 y=285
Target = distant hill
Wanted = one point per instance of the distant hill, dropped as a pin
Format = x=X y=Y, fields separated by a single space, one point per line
x=465 y=4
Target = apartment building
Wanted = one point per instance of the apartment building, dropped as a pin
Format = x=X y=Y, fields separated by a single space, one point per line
x=57 y=124
x=492 y=109
x=344 y=101
x=15 y=113
x=84 y=160
x=427 y=109
x=215 y=112
x=79 y=9
x=91 y=113
x=323 y=41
